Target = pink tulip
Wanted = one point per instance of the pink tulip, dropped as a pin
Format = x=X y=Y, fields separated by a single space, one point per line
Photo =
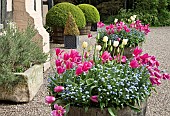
x=89 y=35
x=49 y=99
x=66 y=56
x=157 y=74
x=106 y=56
x=58 y=89
x=134 y=64
x=111 y=26
x=58 y=62
x=94 y=98
x=59 y=110
x=86 y=66
x=60 y=69
x=155 y=80
x=58 y=51
x=107 y=28
x=100 y=24
x=69 y=65
x=79 y=70
x=123 y=59
x=137 y=51
x=166 y=76
x=118 y=39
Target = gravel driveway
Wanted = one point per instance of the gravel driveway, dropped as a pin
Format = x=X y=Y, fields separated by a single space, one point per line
x=157 y=43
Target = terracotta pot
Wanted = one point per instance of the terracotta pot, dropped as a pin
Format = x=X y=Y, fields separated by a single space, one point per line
x=128 y=52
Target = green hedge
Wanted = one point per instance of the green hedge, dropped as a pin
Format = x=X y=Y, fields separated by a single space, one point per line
x=90 y=12
x=57 y=15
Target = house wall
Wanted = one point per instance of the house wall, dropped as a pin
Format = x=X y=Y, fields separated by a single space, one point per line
x=24 y=13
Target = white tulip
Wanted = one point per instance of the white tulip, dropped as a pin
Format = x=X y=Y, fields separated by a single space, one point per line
x=98 y=47
x=135 y=16
x=132 y=18
x=115 y=43
x=124 y=42
x=105 y=39
x=116 y=20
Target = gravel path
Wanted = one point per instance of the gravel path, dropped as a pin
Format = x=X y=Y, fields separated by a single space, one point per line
x=158 y=44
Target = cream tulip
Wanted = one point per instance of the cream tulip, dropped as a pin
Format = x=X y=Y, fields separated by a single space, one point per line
x=105 y=39
x=84 y=45
x=124 y=41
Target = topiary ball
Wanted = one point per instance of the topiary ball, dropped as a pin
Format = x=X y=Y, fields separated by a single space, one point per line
x=91 y=13
x=57 y=15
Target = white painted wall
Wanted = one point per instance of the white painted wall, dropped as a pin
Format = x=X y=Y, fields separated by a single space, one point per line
x=9 y=5
x=37 y=15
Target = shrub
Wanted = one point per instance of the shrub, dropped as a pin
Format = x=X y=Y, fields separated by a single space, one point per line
x=57 y=15
x=71 y=27
x=18 y=52
x=90 y=12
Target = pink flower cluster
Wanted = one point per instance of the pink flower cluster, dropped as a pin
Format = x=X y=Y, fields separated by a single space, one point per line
x=111 y=29
x=139 y=26
x=67 y=60
x=74 y=59
x=152 y=65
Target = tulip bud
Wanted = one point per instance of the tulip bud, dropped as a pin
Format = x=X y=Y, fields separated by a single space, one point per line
x=49 y=99
x=116 y=20
x=94 y=98
x=58 y=89
x=121 y=46
x=111 y=48
x=110 y=42
x=115 y=43
x=105 y=39
x=105 y=45
x=98 y=47
x=84 y=45
x=90 y=48
x=124 y=42
x=118 y=50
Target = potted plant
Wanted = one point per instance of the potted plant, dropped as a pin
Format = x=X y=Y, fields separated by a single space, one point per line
x=21 y=64
x=92 y=17
x=135 y=33
x=57 y=17
x=101 y=85
x=71 y=32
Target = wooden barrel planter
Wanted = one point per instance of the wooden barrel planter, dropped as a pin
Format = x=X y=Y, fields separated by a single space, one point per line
x=77 y=111
x=58 y=35
x=128 y=52
x=85 y=30
x=94 y=27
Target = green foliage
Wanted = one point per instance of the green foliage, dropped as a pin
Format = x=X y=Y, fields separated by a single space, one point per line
x=90 y=12
x=18 y=52
x=153 y=12
x=57 y=15
x=71 y=27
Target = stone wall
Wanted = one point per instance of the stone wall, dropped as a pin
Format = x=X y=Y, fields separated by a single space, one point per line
x=25 y=13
